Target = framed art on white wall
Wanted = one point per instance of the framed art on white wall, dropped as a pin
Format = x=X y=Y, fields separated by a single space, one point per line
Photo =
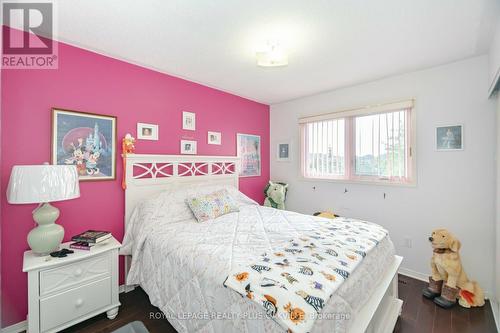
x=188 y=147
x=248 y=148
x=283 y=151
x=449 y=138
x=188 y=121
x=147 y=131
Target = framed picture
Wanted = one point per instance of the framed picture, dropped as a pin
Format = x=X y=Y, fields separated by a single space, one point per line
x=449 y=138
x=214 y=138
x=147 y=131
x=188 y=147
x=283 y=152
x=188 y=121
x=86 y=140
x=248 y=148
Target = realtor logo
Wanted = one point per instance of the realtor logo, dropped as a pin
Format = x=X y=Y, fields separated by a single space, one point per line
x=27 y=36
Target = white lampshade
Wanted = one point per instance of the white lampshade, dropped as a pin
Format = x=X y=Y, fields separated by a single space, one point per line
x=42 y=183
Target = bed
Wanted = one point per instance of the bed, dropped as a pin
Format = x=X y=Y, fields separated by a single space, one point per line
x=182 y=265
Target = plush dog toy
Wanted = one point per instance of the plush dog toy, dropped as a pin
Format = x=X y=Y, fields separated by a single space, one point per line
x=449 y=281
x=275 y=195
x=328 y=215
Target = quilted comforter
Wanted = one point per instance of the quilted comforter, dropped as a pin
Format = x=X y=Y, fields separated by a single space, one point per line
x=182 y=265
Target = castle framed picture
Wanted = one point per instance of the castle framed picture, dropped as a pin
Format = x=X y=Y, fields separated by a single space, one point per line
x=248 y=150
x=85 y=140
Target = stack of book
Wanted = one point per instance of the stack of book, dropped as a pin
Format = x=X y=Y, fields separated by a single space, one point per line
x=89 y=238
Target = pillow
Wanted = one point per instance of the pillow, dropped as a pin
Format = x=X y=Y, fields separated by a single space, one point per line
x=212 y=205
x=238 y=197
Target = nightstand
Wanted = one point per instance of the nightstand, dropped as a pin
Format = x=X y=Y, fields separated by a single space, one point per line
x=66 y=291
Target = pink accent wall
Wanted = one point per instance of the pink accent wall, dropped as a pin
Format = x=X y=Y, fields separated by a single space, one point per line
x=90 y=82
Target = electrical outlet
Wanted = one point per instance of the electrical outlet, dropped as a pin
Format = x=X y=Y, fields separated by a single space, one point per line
x=407 y=242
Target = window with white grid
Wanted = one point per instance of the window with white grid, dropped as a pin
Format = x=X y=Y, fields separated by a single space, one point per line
x=372 y=144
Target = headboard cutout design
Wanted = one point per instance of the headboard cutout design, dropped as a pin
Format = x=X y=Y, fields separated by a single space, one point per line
x=147 y=175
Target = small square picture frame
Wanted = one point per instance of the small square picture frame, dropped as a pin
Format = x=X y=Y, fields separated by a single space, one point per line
x=449 y=137
x=188 y=121
x=283 y=151
x=188 y=147
x=214 y=138
x=147 y=131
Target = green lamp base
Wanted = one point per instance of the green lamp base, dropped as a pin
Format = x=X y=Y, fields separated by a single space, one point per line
x=47 y=236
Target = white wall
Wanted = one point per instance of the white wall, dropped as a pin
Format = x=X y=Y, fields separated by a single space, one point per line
x=494 y=56
x=455 y=190
x=494 y=61
x=497 y=260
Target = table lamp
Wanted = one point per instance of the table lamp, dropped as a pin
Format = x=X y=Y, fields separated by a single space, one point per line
x=43 y=184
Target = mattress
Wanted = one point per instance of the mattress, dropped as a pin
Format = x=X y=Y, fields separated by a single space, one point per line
x=182 y=264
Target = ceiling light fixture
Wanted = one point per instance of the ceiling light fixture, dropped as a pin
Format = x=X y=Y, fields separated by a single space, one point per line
x=273 y=55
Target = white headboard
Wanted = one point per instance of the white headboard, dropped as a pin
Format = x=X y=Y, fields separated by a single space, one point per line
x=147 y=175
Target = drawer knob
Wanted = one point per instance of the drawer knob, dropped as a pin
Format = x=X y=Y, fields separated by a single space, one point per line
x=78 y=272
x=79 y=302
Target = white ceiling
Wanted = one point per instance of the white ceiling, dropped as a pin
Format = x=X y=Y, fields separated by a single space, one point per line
x=332 y=44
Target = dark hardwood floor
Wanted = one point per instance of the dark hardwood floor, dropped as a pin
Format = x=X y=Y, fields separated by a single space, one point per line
x=135 y=306
x=419 y=315
x=422 y=315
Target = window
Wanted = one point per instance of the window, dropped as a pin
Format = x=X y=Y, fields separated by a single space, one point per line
x=372 y=144
x=325 y=142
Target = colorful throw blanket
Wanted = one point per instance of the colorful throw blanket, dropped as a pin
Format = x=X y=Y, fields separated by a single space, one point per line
x=294 y=282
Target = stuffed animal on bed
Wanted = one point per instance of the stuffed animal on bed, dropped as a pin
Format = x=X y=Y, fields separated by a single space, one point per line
x=328 y=215
x=449 y=281
x=275 y=195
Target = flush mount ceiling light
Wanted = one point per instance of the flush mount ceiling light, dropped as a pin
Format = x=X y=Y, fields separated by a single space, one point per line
x=272 y=55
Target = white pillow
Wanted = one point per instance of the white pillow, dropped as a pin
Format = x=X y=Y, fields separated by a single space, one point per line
x=239 y=197
x=171 y=204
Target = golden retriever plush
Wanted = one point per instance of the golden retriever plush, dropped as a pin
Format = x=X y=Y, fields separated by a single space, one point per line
x=449 y=281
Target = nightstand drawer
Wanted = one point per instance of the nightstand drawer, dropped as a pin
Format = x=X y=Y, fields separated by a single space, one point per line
x=67 y=306
x=65 y=277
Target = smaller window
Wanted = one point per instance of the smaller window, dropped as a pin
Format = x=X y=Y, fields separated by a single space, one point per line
x=325 y=147
x=381 y=145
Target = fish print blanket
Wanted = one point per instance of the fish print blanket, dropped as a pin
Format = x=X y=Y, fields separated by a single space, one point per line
x=294 y=282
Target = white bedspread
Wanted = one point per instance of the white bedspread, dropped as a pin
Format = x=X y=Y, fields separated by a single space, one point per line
x=182 y=265
x=294 y=282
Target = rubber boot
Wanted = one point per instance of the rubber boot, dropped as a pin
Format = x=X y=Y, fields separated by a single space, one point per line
x=448 y=297
x=434 y=288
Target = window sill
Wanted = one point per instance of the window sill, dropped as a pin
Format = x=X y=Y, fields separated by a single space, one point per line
x=413 y=183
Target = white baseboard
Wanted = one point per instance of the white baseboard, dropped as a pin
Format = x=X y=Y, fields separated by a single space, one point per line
x=495 y=308
x=23 y=325
x=126 y=288
x=414 y=274
x=16 y=328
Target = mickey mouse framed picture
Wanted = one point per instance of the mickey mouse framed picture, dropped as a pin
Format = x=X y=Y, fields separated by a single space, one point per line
x=86 y=140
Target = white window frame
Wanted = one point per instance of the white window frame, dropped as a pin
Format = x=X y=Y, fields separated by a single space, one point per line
x=350 y=143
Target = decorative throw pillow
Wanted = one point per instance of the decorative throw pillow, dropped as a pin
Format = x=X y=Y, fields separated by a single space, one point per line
x=209 y=206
